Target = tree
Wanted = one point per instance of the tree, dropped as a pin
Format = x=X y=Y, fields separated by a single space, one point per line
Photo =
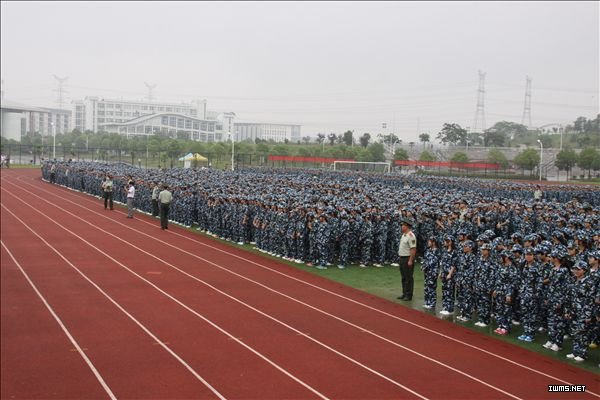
x=364 y=140
x=348 y=138
x=401 y=154
x=281 y=150
x=587 y=158
x=460 y=157
x=427 y=156
x=453 y=134
x=377 y=152
x=495 y=156
x=320 y=138
x=332 y=137
x=173 y=150
x=306 y=139
x=566 y=160
x=424 y=138
x=505 y=130
x=527 y=159
x=579 y=124
x=494 y=138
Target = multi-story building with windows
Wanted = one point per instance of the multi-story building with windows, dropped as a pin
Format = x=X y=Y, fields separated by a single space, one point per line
x=94 y=113
x=264 y=131
x=19 y=120
x=174 y=124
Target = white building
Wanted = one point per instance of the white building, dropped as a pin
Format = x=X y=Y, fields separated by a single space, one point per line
x=265 y=131
x=19 y=120
x=170 y=124
x=94 y=113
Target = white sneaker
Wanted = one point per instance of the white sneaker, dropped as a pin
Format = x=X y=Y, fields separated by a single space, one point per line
x=395 y=264
x=516 y=322
x=240 y=243
x=555 y=347
x=445 y=312
x=341 y=267
x=427 y=306
x=579 y=359
x=362 y=266
x=378 y=265
x=547 y=345
x=570 y=355
x=481 y=324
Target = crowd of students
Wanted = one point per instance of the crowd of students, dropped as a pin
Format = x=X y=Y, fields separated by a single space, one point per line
x=498 y=252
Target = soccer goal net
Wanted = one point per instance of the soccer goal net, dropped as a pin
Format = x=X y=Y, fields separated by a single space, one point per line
x=361 y=166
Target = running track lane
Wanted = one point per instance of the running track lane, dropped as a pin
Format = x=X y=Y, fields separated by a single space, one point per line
x=205 y=348
x=28 y=330
x=325 y=370
x=130 y=362
x=313 y=363
x=63 y=192
x=541 y=370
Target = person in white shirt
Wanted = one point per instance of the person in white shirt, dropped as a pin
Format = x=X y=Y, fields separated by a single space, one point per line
x=130 y=196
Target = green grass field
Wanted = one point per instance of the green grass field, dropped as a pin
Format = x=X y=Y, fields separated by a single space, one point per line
x=385 y=283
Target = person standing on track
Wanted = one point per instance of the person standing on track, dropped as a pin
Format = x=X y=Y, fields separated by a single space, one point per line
x=407 y=253
x=155 y=192
x=107 y=189
x=164 y=198
x=53 y=173
x=130 y=197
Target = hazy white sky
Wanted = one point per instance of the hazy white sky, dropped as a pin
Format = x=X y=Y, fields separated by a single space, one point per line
x=329 y=66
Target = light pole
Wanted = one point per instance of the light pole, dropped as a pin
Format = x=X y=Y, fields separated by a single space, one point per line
x=467 y=140
x=541 y=157
x=560 y=130
x=232 y=151
x=53 y=140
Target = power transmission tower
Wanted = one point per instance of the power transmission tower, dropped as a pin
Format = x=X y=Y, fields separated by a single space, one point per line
x=60 y=90
x=150 y=87
x=526 y=120
x=479 y=111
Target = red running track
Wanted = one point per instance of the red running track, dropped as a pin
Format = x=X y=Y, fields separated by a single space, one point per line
x=170 y=314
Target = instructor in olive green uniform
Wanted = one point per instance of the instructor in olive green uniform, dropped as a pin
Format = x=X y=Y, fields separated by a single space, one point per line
x=407 y=252
x=164 y=199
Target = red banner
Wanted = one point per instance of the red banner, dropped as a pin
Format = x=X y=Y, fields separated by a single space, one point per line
x=306 y=159
x=447 y=164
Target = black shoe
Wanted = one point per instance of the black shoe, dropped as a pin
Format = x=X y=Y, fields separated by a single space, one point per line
x=407 y=298
x=401 y=297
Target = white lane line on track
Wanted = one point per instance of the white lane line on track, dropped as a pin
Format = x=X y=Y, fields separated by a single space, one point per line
x=380 y=375
x=146 y=330
x=440 y=363
x=62 y=326
x=214 y=325
x=385 y=313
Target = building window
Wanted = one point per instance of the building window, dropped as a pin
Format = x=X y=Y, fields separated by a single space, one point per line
x=172 y=121
x=169 y=109
x=196 y=125
x=211 y=127
x=204 y=127
x=180 y=122
x=144 y=108
x=164 y=120
x=188 y=124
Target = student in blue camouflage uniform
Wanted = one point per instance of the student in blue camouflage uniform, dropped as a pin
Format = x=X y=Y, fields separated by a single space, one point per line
x=380 y=230
x=366 y=241
x=322 y=237
x=530 y=287
x=464 y=282
x=448 y=262
x=431 y=271
x=484 y=277
x=580 y=309
x=503 y=294
x=344 y=238
x=556 y=300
